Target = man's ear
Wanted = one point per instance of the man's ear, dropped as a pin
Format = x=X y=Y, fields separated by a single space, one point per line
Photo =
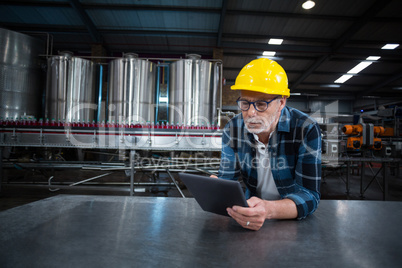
x=282 y=103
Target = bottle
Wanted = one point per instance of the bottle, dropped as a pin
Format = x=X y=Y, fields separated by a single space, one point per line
x=12 y=122
x=34 y=122
x=137 y=125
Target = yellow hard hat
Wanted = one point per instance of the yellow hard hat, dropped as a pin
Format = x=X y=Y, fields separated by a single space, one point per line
x=263 y=75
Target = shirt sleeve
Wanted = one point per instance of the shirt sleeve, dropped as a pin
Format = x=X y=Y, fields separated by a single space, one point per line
x=308 y=171
x=228 y=167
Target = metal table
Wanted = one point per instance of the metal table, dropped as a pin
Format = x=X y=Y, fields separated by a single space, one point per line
x=110 y=231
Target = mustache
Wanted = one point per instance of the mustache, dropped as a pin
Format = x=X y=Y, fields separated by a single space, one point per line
x=254 y=120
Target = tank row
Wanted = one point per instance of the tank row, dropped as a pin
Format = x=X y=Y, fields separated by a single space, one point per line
x=72 y=93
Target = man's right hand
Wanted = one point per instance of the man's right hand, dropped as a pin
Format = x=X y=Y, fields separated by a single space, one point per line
x=213 y=176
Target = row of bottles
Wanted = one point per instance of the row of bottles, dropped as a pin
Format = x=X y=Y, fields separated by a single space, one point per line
x=61 y=123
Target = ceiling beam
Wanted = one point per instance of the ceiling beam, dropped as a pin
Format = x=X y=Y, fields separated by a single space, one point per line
x=306 y=52
x=284 y=48
x=134 y=32
x=95 y=35
x=327 y=51
x=258 y=37
x=235 y=12
x=221 y=22
x=34 y=3
x=234 y=69
x=62 y=29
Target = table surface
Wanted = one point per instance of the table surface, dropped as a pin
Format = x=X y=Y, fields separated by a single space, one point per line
x=116 y=231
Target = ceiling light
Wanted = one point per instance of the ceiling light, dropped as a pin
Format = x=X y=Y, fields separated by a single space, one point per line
x=343 y=78
x=308 y=4
x=330 y=85
x=359 y=67
x=269 y=53
x=390 y=46
x=373 y=58
x=275 y=41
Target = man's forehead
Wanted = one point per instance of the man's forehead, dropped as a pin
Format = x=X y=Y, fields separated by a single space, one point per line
x=256 y=95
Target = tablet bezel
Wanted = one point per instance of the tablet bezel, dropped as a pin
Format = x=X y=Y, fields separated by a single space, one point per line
x=213 y=194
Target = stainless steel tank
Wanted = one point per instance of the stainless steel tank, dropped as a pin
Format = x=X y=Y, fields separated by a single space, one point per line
x=194 y=85
x=71 y=89
x=20 y=75
x=131 y=90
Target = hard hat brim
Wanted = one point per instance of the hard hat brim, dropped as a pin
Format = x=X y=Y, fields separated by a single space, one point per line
x=262 y=90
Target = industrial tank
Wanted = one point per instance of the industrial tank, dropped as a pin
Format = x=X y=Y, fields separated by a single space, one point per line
x=20 y=75
x=131 y=90
x=71 y=89
x=194 y=84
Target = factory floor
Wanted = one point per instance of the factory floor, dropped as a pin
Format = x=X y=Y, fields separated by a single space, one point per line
x=22 y=187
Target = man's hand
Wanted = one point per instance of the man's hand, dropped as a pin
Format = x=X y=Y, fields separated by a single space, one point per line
x=254 y=216
x=213 y=176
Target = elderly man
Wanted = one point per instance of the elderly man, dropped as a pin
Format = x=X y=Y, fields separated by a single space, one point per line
x=274 y=148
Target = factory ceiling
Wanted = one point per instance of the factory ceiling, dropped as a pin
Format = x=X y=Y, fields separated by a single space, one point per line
x=319 y=45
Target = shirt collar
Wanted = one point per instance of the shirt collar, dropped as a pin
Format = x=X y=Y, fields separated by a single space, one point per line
x=284 y=120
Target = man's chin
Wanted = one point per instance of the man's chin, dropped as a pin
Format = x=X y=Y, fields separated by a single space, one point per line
x=254 y=130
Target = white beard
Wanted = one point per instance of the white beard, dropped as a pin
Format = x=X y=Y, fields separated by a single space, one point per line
x=265 y=124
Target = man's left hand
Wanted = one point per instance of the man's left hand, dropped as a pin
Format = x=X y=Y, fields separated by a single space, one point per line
x=252 y=217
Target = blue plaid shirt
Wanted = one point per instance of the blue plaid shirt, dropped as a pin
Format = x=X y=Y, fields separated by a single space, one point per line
x=295 y=149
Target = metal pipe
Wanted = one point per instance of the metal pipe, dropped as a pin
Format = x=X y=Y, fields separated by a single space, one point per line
x=90 y=179
x=1 y=166
x=61 y=187
x=67 y=184
x=76 y=183
x=175 y=183
x=132 y=172
x=220 y=95
x=162 y=166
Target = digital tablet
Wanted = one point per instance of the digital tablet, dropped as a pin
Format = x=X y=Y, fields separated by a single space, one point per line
x=213 y=194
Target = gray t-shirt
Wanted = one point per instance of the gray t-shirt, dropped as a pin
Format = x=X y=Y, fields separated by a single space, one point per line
x=266 y=187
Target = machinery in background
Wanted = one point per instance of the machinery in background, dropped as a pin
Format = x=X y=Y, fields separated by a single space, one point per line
x=21 y=75
x=382 y=138
x=365 y=136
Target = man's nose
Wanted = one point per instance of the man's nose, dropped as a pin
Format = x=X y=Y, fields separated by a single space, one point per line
x=252 y=111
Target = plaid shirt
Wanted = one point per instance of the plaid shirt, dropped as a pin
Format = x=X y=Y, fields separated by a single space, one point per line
x=295 y=149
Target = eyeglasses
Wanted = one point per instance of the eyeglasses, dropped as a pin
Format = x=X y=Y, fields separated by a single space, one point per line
x=260 y=105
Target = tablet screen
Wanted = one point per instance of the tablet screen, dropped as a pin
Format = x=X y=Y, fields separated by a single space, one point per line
x=214 y=195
